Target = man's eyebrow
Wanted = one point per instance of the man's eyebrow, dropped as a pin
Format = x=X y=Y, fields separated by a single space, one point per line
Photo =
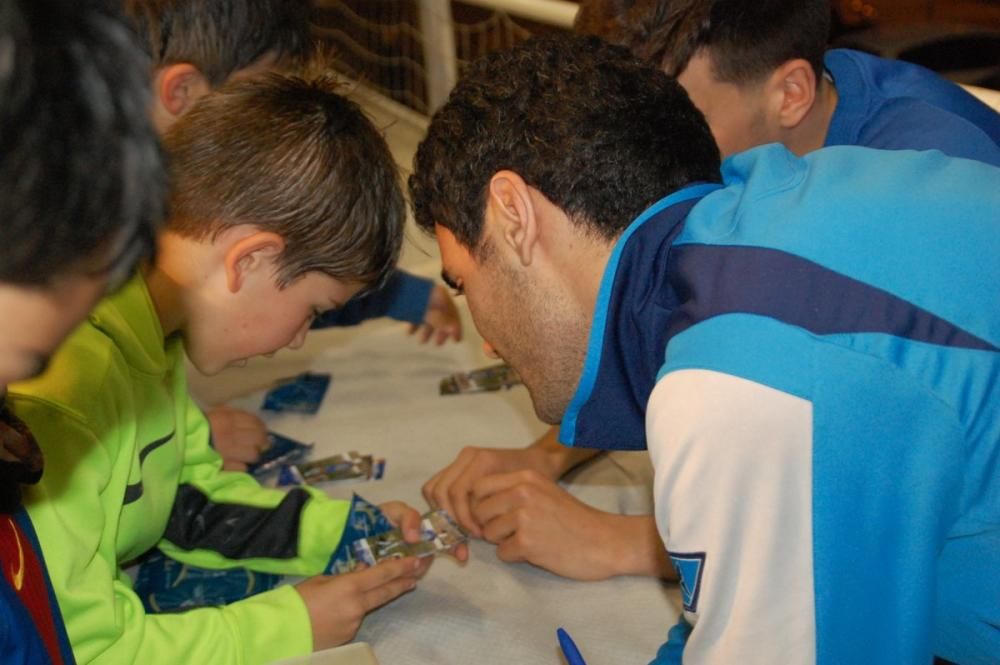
x=449 y=280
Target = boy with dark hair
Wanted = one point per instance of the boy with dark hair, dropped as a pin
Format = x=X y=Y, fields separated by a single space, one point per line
x=72 y=89
x=760 y=73
x=260 y=241
x=809 y=350
x=196 y=46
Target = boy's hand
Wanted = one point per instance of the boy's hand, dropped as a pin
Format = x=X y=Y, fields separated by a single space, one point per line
x=337 y=604
x=441 y=319
x=405 y=517
x=238 y=436
x=408 y=521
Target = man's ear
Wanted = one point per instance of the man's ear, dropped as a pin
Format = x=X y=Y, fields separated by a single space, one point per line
x=792 y=92
x=512 y=214
x=252 y=256
x=177 y=88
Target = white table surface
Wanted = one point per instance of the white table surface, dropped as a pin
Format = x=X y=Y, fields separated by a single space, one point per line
x=384 y=400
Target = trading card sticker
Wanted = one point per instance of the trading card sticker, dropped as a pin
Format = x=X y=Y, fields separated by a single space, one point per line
x=438 y=533
x=336 y=468
x=301 y=394
x=480 y=380
x=282 y=450
x=365 y=520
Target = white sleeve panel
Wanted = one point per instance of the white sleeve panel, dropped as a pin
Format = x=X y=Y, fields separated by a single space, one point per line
x=733 y=482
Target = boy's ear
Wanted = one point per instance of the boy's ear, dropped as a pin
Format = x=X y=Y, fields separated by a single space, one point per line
x=252 y=256
x=176 y=88
x=512 y=214
x=792 y=89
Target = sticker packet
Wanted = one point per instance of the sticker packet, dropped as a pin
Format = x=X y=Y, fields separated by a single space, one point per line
x=365 y=520
x=480 y=380
x=281 y=451
x=337 y=468
x=301 y=394
x=369 y=537
x=438 y=533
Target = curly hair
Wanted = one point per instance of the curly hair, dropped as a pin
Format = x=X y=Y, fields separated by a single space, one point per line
x=599 y=133
x=292 y=156
x=747 y=40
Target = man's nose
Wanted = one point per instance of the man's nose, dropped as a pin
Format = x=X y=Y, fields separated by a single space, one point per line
x=490 y=351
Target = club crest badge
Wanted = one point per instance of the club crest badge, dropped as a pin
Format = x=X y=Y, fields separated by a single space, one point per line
x=690 y=568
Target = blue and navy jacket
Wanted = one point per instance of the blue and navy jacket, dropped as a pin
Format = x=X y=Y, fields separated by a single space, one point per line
x=896 y=105
x=811 y=355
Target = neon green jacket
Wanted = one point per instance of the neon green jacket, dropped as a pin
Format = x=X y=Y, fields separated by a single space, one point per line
x=128 y=466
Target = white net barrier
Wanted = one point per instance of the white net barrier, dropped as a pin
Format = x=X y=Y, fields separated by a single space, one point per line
x=380 y=42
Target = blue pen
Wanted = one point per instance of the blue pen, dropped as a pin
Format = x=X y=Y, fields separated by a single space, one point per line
x=569 y=649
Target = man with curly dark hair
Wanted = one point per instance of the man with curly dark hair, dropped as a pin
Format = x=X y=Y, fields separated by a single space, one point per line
x=761 y=73
x=808 y=351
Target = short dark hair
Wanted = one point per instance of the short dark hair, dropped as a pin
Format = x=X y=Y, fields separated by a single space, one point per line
x=81 y=173
x=746 y=40
x=599 y=133
x=220 y=37
x=292 y=156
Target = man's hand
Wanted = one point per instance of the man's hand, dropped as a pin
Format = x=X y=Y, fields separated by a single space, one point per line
x=451 y=488
x=530 y=518
x=337 y=604
x=238 y=436
x=441 y=319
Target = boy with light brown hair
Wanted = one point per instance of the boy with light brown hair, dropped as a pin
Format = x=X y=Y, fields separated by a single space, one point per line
x=284 y=204
x=197 y=46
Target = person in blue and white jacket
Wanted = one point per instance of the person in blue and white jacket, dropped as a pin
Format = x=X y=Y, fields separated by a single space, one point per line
x=761 y=73
x=809 y=349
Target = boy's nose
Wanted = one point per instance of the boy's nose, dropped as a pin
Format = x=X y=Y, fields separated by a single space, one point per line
x=490 y=351
x=299 y=339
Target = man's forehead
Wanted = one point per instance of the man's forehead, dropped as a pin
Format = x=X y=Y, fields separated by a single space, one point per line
x=448 y=244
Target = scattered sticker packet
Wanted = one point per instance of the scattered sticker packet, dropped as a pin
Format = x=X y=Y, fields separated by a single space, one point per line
x=480 y=380
x=300 y=394
x=336 y=468
x=282 y=451
x=369 y=537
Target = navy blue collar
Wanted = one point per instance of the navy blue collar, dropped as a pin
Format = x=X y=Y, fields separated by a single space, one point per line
x=628 y=330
